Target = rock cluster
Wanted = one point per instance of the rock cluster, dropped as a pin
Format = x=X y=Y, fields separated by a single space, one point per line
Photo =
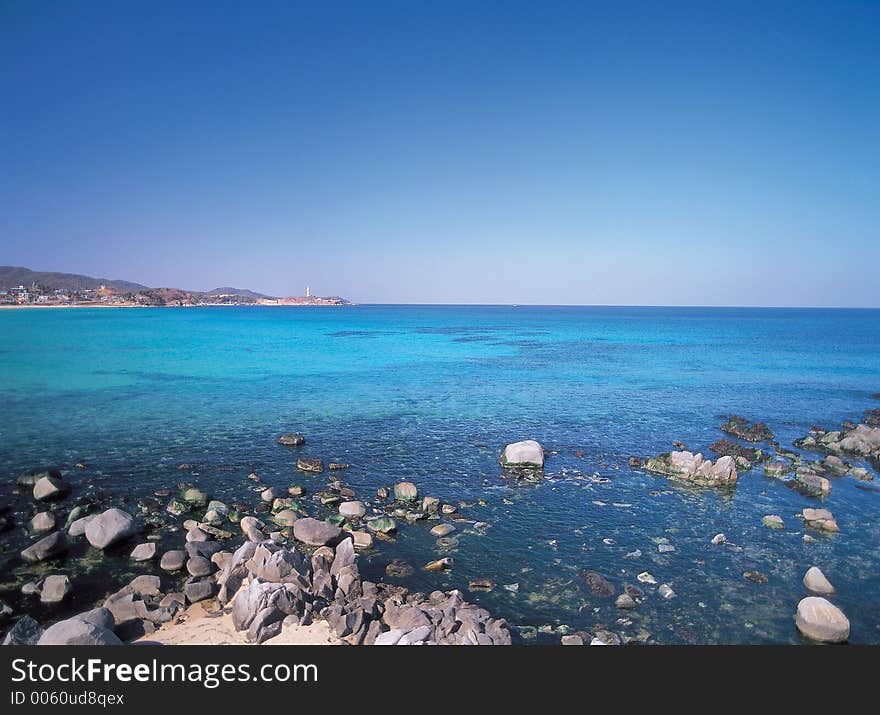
x=689 y=467
x=741 y=428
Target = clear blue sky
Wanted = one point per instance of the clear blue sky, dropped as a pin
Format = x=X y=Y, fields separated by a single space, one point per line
x=623 y=153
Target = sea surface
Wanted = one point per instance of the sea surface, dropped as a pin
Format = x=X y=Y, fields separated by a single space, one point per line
x=431 y=394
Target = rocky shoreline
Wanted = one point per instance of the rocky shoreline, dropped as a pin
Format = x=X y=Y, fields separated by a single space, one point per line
x=272 y=568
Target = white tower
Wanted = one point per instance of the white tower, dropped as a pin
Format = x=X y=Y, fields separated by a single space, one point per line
x=308 y=292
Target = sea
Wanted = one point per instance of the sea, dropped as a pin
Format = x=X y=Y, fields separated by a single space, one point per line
x=148 y=398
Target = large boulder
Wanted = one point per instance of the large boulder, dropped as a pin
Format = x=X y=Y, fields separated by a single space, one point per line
x=46 y=548
x=111 y=527
x=47 y=488
x=314 y=532
x=78 y=526
x=528 y=454
x=822 y=621
x=76 y=631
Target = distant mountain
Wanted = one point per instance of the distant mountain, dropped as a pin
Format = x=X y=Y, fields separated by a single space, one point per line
x=14 y=276
x=243 y=292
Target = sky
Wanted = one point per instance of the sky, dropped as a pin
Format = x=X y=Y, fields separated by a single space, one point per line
x=618 y=153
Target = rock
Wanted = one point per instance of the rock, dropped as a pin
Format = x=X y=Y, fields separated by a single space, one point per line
x=835 y=465
x=740 y=428
x=645 y=577
x=389 y=637
x=78 y=526
x=430 y=505
x=46 y=548
x=312 y=464
x=773 y=521
x=352 y=509
x=820 y=519
x=76 y=631
x=336 y=466
x=362 y=539
x=820 y=620
x=719 y=539
x=815 y=581
x=863 y=441
x=665 y=591
x=810 y=484
x=285 y=517
x=196 y=591
x=55 y=589
x=448 y=509
x=143 y=552
x=199 y=566
x=399 y=569
x=42 y=522
x=314 y=532
x=625 y=601
x=635 y=462
x=145 y=585
x=439 y=564
x=572 y=640
x=31 y=588
x=776 y=470
x=481 y=584
x=693 y=468
x=172 y=560
x=26 y=631
x=442 y=530
x=194 y=497
x=597 y=584
x=109 y=528
x=47 y=488
x=196 y=534
x=32 y=476
x=406 y=491
x=755 y=577
x=382 y=525
x=267 y=495
x=528 y=454
x=292 y=439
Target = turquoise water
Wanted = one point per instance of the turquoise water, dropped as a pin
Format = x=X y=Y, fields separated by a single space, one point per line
x=431 y=395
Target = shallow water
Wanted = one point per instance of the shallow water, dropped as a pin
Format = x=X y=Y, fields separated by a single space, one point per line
x=431 y=395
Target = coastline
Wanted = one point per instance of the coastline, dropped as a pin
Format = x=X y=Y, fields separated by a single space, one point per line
x=206 y=305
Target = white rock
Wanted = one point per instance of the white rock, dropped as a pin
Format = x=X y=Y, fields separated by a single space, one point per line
x=528 y=453
x=815 y=581
x=820 y=620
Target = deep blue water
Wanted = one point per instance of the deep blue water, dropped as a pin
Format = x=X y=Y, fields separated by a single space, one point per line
x=431 y=395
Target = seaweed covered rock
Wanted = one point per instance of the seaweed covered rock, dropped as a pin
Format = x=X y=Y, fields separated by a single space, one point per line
x=742 y=429
x=689 y=467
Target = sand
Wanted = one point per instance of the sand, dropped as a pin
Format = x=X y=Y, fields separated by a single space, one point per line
x=204 y=624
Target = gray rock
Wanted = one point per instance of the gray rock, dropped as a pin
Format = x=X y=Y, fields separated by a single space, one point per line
x=389 y=637
x=144 y=552
x=46 y=548
x=26 y=631
x=352 y=509
x=78 y=526
x=43 y=522
x=820 y=620
x=172 y=560
x=526 y=454
x=146 y=585
x=292 y=439
x=314 y=532
x=75 y=631
x=47 y=488
x=109 y=528
x=815 y=581
x=55 y=589
x=196 y=535
x=199 y=566
x=199 y=590
x=442 y=530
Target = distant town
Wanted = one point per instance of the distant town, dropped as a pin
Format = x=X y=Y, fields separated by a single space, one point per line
x=68 y=290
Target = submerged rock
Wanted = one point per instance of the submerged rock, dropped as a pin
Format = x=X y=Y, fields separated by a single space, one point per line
x=773 y=521
x=442 y=530
x=741 y=428
x=820 y=620
x=815 y=581
x=597 y=584
x=527 y=454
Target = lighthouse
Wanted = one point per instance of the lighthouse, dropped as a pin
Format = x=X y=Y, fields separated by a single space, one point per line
x=308 y=292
